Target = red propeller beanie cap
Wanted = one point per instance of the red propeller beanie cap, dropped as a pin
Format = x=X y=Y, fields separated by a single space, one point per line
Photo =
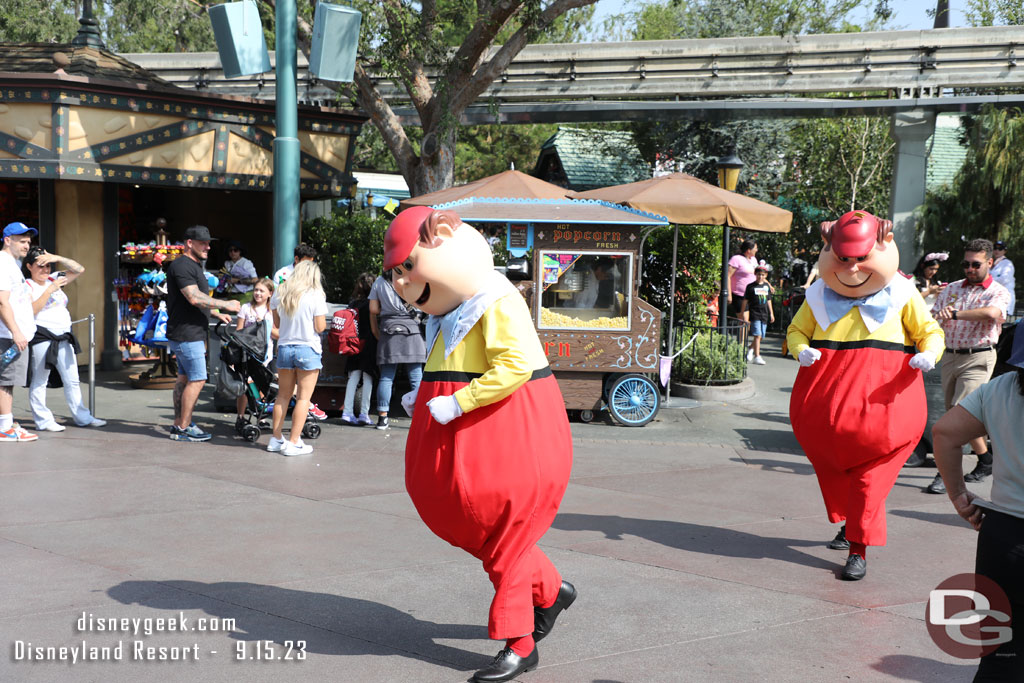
x=403 y=234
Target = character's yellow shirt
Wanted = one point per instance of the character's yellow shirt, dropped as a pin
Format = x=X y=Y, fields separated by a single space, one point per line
x=914 y=326
x=499 y=354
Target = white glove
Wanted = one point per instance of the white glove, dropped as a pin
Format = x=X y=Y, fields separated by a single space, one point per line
x=409 y=401
x=808 y=357
x=923 y=361
x=444 y=408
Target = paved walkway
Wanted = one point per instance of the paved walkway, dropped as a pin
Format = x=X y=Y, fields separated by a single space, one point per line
x=697 y=544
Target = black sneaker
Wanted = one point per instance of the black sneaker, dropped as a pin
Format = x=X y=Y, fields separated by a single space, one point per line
x=980 y=472
x=840 y=542
x=240 y=422
x=937 y=485
x=382 y=422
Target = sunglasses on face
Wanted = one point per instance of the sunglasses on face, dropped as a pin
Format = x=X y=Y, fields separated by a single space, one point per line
x=971 y=264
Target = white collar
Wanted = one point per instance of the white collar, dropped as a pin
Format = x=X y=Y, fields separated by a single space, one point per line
x=454 y=326
x=900 y=288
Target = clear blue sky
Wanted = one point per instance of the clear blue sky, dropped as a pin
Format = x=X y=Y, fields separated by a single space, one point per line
x=908 y=14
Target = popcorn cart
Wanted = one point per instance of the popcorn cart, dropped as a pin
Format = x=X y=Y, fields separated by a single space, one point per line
x=578 y=268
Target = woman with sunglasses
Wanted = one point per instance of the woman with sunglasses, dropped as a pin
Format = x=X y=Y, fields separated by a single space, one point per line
x=53 y=345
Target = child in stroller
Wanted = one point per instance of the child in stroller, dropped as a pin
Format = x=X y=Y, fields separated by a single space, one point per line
x=242 y=353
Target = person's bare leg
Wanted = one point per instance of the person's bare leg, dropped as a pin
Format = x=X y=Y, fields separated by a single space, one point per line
x=285 y=387
x=179 y=390
x=189 y=396
x=977 y=445
x=757 y=347
x=305 y=383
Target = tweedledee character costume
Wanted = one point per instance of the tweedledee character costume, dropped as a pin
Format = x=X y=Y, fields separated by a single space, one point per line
x=489 y=451
x=863 y=336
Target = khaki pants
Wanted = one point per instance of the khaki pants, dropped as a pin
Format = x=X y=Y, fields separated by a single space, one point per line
x=962 y=373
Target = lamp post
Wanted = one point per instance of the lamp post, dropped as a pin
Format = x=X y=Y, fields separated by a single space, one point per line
x=728 y=175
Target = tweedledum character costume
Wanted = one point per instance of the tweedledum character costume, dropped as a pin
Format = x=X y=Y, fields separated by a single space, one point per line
x=489 y=451
x=863 y=336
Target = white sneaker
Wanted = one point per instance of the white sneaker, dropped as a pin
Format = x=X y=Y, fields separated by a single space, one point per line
x=52 y=427
x=95 y=422
x=750 y=355
x=758 y=360
x=348 y=418
x=300 y=448
x=275 y=445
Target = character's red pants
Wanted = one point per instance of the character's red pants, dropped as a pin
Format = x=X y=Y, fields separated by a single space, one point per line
x=490 y=482
x=858 y=413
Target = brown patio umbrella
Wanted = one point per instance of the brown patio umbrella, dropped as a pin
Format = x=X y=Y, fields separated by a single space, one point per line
x=686 y=200
x=504 y=185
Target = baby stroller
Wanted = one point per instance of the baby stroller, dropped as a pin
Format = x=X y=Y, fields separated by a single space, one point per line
x=242 y=353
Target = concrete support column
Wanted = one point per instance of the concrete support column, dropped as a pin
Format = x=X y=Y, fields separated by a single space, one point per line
x=79 y=222
x=911 y=131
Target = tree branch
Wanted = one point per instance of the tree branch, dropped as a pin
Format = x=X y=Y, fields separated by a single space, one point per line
x=387 y=122
x=475 y=82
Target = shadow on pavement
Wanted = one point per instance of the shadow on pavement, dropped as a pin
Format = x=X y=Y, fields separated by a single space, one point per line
x=922 y=669
x=263 y=612
x=697 y=538
x=949 y=519
x=768 y=465
x=768 y=439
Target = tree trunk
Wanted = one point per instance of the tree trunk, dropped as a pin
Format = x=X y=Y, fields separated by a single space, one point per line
x=433 y=172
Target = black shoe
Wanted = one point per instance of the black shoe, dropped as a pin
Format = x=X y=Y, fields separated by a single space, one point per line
x=937 y=485
x=840 y=542
x=980 y=472
x=382 y=422
x=916 y=459
x=855 y=569
x=240 y=422
x=506 y=666
x=544 y=617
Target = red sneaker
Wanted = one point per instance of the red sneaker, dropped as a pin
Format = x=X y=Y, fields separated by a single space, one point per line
x=17 y=433
x=315 y=412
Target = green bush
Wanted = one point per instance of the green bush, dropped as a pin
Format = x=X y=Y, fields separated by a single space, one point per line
x=348 y=244
x=712 y=357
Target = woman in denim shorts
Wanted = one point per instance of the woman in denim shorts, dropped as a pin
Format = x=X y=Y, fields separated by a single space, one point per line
x=300 y=314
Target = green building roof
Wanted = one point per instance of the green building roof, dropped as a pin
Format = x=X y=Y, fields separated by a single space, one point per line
x=585 y=159
x=945 y=153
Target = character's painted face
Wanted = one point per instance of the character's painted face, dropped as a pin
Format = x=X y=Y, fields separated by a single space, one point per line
x=859 y=276
x=424 y=279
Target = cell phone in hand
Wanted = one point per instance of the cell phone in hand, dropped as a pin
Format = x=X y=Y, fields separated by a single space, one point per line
x=59 y=273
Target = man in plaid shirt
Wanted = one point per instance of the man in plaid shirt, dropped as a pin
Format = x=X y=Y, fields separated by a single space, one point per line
x=971 y=312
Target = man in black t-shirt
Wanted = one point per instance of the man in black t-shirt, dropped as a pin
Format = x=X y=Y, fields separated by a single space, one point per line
x=756 y=309
x=187 y=303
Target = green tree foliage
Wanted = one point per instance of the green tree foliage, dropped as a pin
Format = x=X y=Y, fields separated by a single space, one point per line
x=348 y=244
x=986 y=197
x=994 y=12
x=32 y=21
x=485 y=150
x=719 y=19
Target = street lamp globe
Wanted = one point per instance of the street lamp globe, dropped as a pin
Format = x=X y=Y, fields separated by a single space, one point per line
x=729 y=170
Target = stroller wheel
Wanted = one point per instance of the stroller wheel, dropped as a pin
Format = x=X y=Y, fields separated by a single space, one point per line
x=251 y=433
x=311 y=430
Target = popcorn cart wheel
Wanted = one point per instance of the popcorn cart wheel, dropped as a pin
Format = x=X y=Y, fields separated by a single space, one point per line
x=633 y=400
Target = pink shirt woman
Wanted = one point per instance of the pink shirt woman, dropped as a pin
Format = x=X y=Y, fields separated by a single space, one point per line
x=741 y=270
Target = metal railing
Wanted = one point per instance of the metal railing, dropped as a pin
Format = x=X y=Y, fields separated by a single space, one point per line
x=714 y=355
x=91 y=319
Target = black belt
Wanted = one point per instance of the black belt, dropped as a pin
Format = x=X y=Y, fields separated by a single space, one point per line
x=976 y=349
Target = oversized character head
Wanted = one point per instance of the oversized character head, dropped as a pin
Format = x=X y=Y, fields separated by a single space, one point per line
x=437 y=261
x=860 y=256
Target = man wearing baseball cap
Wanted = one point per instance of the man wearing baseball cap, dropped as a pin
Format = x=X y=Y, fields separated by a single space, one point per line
x=187 y=325
x=1003 y=272
x=17 y=325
